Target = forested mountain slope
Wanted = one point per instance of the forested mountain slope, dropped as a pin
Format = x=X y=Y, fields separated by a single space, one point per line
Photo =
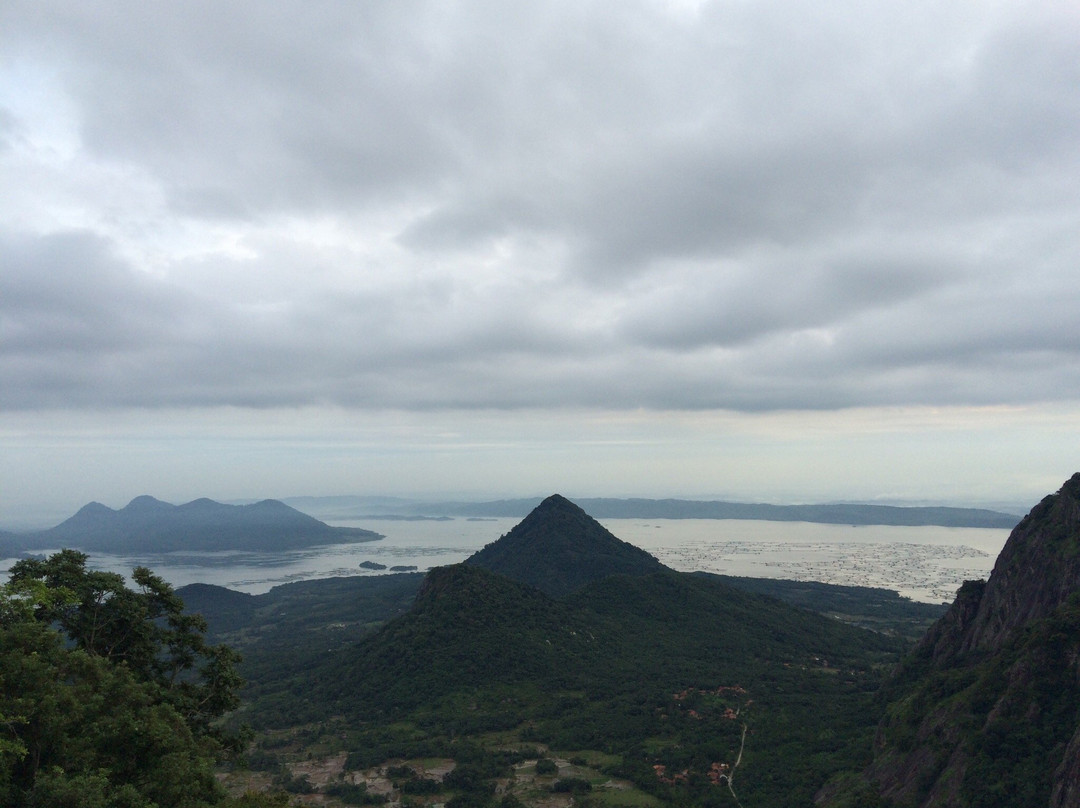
x=986 y=711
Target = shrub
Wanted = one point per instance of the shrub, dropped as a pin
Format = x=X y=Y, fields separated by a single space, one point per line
x=351 y=794
x=545 y=766
x=572 y=785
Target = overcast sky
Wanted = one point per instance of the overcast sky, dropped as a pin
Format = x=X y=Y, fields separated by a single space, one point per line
x=782 y=251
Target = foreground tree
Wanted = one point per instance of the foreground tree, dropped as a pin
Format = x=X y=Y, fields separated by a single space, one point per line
x=108 y=695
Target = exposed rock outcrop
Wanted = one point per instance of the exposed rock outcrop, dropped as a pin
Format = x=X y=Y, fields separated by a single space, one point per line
x=1037 y=571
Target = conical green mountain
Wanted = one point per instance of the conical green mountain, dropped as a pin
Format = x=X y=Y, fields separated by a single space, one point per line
x=663 y=671
x=558 y=548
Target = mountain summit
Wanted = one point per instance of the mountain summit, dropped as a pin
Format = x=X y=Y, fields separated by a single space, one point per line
x=558 y=548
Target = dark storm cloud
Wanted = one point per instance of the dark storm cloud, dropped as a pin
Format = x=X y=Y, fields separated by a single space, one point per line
x=426 y=205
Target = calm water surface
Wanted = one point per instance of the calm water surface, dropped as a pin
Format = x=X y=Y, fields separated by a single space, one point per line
x=925 y=563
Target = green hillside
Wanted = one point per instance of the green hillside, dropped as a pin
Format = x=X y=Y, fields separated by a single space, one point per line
x=665 y=669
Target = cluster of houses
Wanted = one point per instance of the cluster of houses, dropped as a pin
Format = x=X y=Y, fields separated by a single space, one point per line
x=729 y=713
x=718 y=773
x=690 y=691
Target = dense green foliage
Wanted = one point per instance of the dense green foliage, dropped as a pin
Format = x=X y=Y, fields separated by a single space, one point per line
x=466 y=626
x=108 y=695
x=665 y=669
x=284 y=630
x=868 y=607
x=546 y=766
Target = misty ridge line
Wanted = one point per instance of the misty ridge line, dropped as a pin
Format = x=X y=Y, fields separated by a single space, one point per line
x=342 y=508
x=302 y=521
x=201 y=525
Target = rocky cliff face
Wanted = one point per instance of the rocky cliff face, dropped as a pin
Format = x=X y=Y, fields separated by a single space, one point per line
x=986 y=710
x=1037 y=571
x=945 y=638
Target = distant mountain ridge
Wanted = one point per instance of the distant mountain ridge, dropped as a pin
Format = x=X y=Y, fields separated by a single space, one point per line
x=147 y=524
x=558 y=548
x=833 y=514
x=638 y=508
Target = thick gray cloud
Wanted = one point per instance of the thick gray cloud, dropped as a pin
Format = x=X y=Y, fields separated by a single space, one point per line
x=439 y=205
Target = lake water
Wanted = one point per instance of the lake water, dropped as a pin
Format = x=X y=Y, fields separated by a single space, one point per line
x=924 y=563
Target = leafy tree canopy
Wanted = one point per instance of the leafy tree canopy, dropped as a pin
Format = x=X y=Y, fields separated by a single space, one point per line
x=108 y=694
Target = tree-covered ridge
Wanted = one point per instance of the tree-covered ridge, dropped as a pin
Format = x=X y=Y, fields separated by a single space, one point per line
x=149 y=525
x=559 y=548
x=289 y=613
x=319 y=616
x=868 y=607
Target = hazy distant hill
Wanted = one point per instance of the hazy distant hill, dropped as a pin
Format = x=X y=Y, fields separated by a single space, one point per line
x=834 y=514
x=559 y=548
x=9 y=544
x=606 y=508
x=150 y=525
